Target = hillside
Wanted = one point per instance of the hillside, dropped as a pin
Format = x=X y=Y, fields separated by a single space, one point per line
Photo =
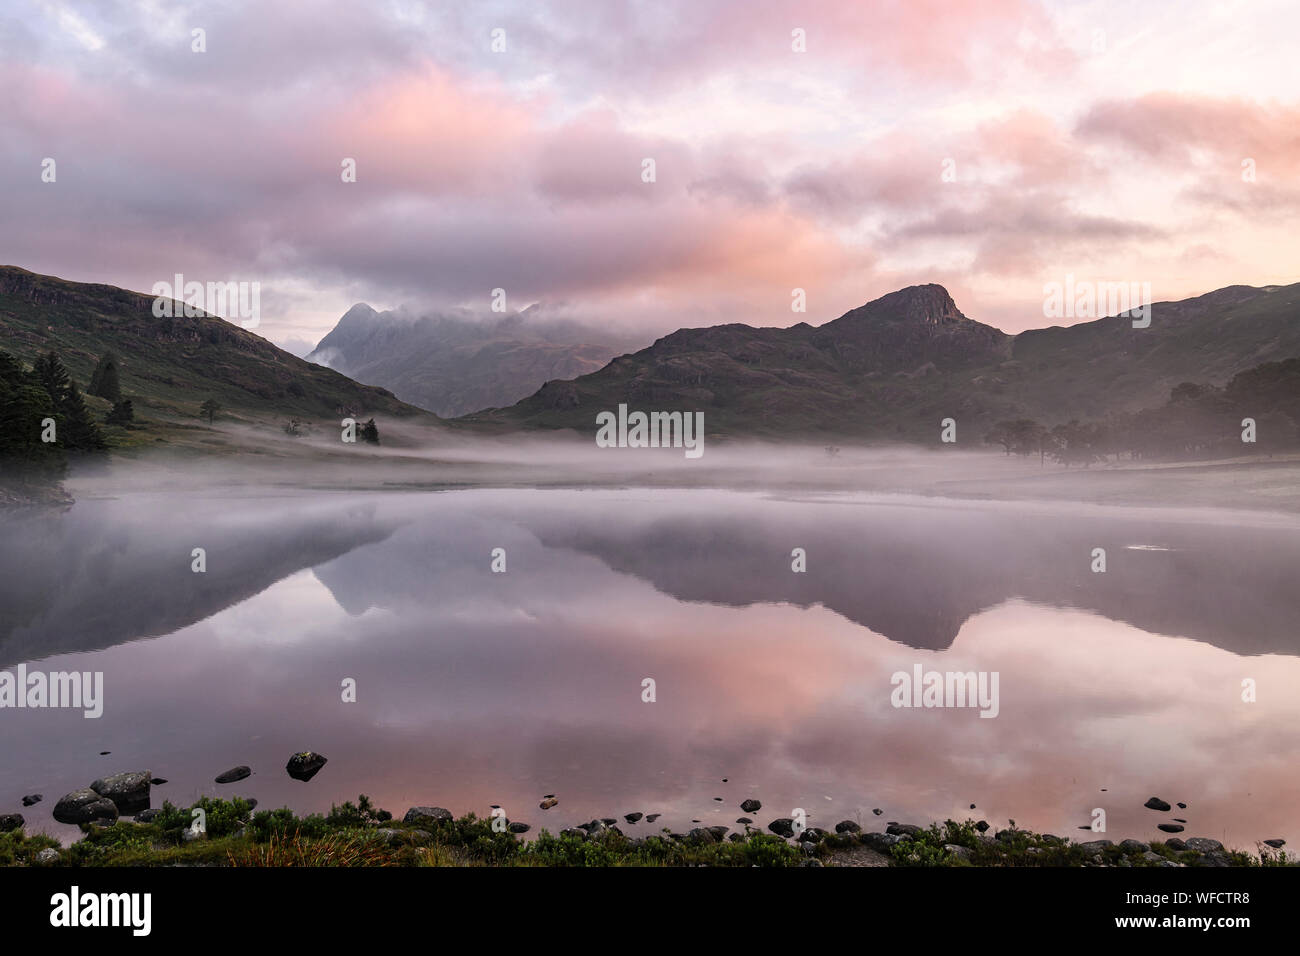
x=170 y=366
x=456 y=364
x=899 y=364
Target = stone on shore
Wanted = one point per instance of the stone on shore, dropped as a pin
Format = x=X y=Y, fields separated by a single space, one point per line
x=234 y=774
x=129 y=791
x=426 y=815
x=84 y=806
x=305 y=765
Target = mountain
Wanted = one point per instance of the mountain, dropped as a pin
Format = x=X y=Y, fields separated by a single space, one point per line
x=170 y=366
x=897 y=366
x=455 y=364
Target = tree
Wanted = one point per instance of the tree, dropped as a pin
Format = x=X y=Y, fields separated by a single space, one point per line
x=76 y=430
x=24 y=405
x=209 y=409
x=370 y=432
x=122 y=413
x=105 y=381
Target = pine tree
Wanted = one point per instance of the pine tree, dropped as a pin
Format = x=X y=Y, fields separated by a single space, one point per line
x=105 y=381
x=370 y=432
x=122 y=413
x=76 y=430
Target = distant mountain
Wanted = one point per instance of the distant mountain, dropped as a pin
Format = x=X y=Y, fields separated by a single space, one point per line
x=455 y=364
x=898 y=365
x=170 y=366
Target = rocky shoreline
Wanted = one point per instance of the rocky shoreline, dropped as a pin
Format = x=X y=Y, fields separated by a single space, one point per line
x=232 y=832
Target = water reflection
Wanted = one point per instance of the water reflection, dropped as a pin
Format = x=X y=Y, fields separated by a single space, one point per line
x=477 y=688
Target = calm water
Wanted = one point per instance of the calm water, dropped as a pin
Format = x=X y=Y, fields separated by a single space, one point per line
x=477 y=688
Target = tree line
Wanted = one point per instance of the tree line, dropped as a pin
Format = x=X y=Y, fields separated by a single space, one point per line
x=1197 y=422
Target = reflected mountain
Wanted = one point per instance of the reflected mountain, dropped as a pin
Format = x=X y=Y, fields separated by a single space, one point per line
x=916 y=573
x=107 y=572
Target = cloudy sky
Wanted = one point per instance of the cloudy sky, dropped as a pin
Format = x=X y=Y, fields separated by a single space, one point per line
x=1105 y=140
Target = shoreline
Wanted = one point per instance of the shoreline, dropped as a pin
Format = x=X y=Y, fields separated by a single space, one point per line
x=236 y=834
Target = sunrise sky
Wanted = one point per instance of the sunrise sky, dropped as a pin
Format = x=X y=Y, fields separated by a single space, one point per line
x=1100 y=139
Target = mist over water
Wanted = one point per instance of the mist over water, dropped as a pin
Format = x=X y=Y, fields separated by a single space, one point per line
x=477 y=688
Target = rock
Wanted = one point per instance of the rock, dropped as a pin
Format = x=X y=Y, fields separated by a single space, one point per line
x=702 y=835
x=737 y=838
x=1204 y=845
x=718 y=799
x=880 y=842
x=129 y=791
x=305 y=765
x=1176 y=844
x=418 y=836
x=32 y=799
x=426 y=815
x=233 y=774
x=1134 y=846
x=10 y=821
x=83 y=806
x=1152 y=857
x=47 y=856
x=961 y=852
x=575 y=832
x=812 y=835
x=158 y=781
x=1182 y=806
x=1155 y=803
x=751 y=806
x=982 y=826
x=1275 y=844
x=782 y=826
x=631 y=817
x=516 y=827
x=548 y=803
x=744 y=820
x=388 y=836
x=651 y=817
x=1095 y=847
x=877 y=812
x=1170 y=827
x=146 y=816
x=718 y=831
x=903 y=829
x=1179 y=820
x=609 y=821
x=847 y=826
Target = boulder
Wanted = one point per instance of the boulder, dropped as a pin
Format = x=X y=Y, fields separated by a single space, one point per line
x=1155 y=803
x=84 y=806
x=129 y=791
x=782 y=826
x=426 y=815
x=305 y=765
x=10 y=821
x=751 y=806
x=847 y=826
x=233 y=774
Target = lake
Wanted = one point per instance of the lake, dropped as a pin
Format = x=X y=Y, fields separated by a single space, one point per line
x=476 y=687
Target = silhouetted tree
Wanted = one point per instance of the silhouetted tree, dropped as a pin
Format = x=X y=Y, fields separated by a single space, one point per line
x=105 y=381
x=209 y=409
x=370 y=432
